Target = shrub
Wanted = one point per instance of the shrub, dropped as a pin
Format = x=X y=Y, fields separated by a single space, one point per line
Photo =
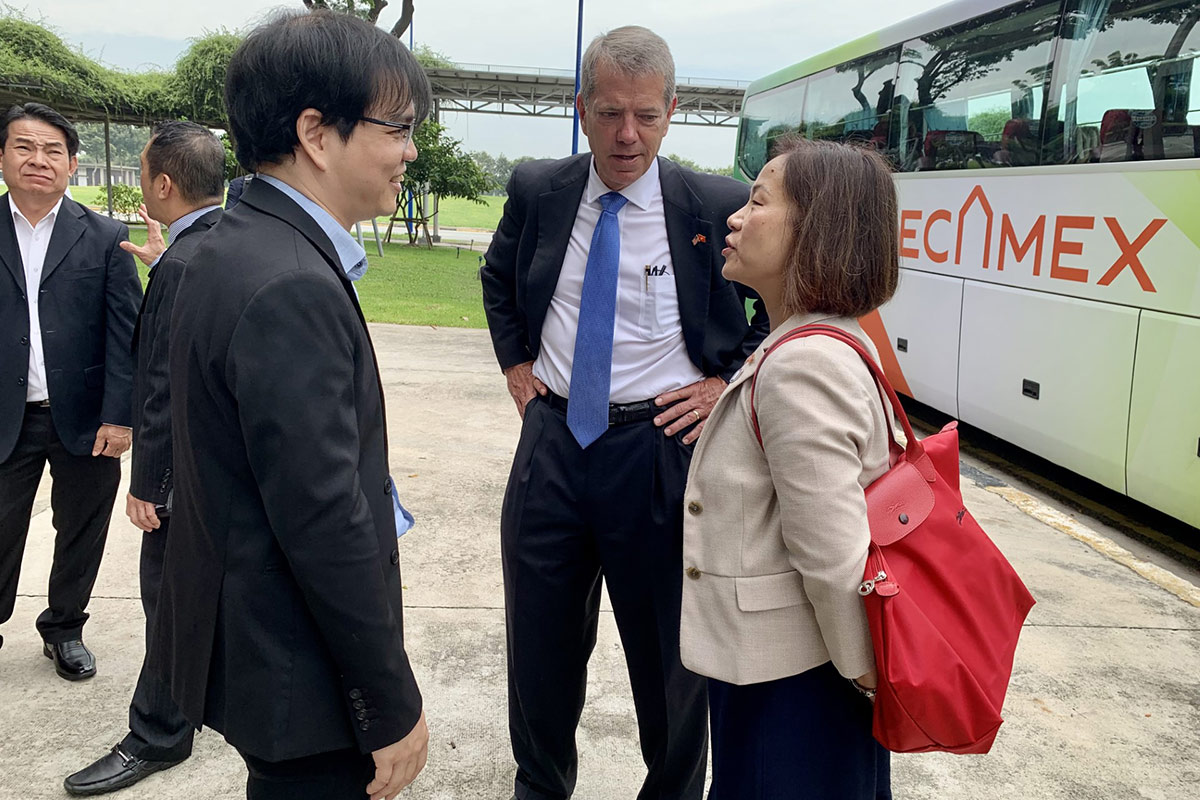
x=126 y=199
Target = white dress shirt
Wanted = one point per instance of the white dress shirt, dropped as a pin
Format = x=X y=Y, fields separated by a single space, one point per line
x=33 y=241
x=649 y=354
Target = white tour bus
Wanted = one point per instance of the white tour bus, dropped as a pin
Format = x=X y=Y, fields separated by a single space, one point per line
x=1048 y=168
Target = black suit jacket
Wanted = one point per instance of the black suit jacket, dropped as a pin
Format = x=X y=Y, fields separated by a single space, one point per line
x=280 y=619
x=150 y=466
x=89 y=298
x=525 y=258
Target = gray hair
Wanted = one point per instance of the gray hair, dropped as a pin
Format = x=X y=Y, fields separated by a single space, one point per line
x=633 y=51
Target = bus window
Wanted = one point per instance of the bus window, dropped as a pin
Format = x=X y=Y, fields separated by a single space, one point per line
x=852 y=102
x=974 y=91
x=765 y=118
x=1126 y=84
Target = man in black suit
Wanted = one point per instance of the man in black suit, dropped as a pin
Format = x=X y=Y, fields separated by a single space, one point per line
x=236 y=187
x=183 y=174
x=68 y=299
x=280 y=619
x=616 y=333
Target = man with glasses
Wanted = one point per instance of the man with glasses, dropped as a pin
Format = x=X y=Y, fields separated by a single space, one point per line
x=281 y=618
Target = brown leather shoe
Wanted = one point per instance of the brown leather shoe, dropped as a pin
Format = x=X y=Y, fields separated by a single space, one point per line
x=72 y=660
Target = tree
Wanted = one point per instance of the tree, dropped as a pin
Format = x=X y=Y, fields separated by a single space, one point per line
x=198 y=86
x=989 y=124
x=441 y=169
x=498 y=169
x=367 y=10
x=127 y=142
x=692 y=165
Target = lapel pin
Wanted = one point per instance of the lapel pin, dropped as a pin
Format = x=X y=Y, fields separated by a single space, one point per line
x=699 y=238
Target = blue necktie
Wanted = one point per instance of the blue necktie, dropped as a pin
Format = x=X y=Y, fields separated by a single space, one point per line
x=591 y=369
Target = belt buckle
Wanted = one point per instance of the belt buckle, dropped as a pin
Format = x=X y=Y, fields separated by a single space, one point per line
x=42 y=403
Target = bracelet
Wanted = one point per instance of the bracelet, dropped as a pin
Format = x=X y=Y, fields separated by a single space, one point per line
x=863 y=690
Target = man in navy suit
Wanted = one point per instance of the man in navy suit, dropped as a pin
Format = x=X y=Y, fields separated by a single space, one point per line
x=68 y=298
x=616 y=333
x=183 y=174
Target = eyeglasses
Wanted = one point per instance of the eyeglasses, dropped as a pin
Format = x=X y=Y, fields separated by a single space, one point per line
x=407 y=127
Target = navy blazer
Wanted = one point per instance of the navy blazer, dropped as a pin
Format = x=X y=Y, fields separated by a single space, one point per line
x=280 y=619
x=522 y=265
x=87 y=304
x=150 y=466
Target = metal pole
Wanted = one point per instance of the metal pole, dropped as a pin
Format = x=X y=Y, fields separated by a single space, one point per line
x=108 y=165
x=578 y=66
x=410 y=195
x=437 y=237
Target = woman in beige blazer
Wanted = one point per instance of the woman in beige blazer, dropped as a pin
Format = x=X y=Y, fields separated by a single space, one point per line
x=775 y=537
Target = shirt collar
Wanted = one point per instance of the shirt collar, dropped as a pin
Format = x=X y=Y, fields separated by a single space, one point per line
x=349 y=252
x=641 y=192
x=52 y=215
x=183 y=223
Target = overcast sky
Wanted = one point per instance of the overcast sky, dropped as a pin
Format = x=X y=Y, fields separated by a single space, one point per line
x=729 y=39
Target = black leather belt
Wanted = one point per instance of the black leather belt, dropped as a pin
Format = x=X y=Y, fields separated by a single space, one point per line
x=37 y=404
x=618 y=413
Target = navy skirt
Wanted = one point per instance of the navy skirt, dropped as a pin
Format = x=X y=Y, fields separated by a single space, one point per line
x=805 y=737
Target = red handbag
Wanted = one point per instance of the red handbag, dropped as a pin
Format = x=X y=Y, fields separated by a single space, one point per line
x=944 y=606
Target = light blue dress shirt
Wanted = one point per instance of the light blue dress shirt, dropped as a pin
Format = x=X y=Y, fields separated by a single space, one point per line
x=353 y=260
x=179 y=226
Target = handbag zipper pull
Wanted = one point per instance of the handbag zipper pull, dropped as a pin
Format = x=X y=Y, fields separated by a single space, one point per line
x=868 y=586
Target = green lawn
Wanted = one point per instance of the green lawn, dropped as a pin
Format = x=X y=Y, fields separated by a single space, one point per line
x=413 y=285
x=453 y=212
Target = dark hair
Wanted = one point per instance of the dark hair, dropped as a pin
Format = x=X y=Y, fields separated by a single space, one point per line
x=843 y=219
x=44 y=114
x=191 y=155
x=338 y=64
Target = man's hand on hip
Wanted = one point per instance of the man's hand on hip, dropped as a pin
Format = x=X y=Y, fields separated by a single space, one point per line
x=141 y=513
x=155 y=243
x=112 y=441
x=398 y=764
x=689 y=405
x=522 y=385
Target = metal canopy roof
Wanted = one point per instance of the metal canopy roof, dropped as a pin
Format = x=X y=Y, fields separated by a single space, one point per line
x=488 y=89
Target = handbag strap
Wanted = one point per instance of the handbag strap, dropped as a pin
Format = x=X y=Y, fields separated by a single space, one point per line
x=914 y=451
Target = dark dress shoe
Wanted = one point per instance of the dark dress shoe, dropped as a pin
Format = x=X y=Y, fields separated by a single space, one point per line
x=72 y=660
x=116 y=770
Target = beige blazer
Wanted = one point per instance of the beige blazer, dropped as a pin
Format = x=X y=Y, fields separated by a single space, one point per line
x=775 y=542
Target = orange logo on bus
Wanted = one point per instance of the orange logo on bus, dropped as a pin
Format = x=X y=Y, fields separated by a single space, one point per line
x=1035 y=238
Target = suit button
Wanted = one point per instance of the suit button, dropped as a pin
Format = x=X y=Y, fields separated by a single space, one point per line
x=692 y=573
x=364 y=726
x=20 y=381
x=355 y=694
x=694 y=508
x=361 y=715
x=395 y=557
x=387 y=486
x=359 y=704
x=24 y=340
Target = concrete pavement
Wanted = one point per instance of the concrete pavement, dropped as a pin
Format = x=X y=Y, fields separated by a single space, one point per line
x=1104 y=702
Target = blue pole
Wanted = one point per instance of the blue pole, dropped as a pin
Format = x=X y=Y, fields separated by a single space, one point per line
x=578 y=67
x=410 y=197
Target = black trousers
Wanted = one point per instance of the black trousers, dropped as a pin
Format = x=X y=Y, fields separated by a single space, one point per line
x=571 y=517
x=157 y=729
x=805 y=737
x=338 y=775
x=81 y=499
